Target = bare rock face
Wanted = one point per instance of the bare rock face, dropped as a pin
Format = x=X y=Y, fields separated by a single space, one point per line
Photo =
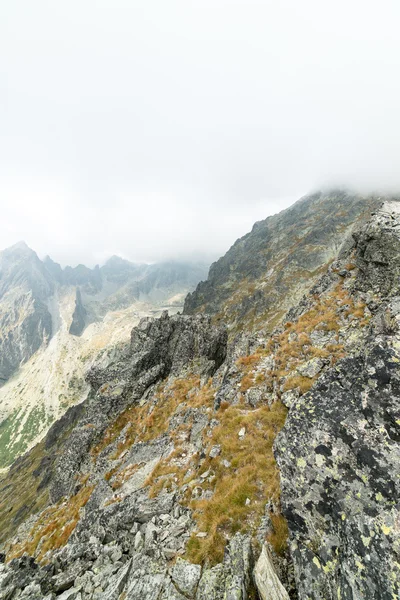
x=339 y=459
x=79 y=316
x=267 y=581
x=339 y=453
x=25 y=321
x=378 y=252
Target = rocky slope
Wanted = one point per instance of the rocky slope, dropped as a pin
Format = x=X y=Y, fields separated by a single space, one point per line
x=267 y=271
x=53 y=324
x=203 y=467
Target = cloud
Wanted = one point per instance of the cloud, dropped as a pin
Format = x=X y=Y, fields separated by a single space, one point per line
x=160 y=129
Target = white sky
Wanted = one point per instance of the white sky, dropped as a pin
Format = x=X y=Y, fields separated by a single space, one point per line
x=164 y=128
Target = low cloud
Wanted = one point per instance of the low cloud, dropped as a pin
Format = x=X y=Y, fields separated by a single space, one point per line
x=165 y=129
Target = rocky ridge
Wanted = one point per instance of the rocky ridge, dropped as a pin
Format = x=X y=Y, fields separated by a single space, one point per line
x=267 y=271
x=163 y=483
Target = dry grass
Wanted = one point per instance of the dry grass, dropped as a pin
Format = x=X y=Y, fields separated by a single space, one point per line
x=147 y=422
x=19 y=493
x=253 y=475
x=120 y=477
x=300 y=383
x=294 y=346
x=278 y=538
x=54 y=527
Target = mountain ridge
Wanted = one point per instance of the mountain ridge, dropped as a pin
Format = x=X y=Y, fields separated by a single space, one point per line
x=263 y=269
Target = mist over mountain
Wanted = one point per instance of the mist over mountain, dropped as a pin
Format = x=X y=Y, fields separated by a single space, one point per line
x=196 y=118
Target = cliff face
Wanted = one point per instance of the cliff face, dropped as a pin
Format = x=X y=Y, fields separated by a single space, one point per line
x=199 y=466
x=79 y=316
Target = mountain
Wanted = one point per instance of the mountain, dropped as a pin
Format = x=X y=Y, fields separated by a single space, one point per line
x=205 y=465
x=25 y=320
x=268 y=270
x=53 y=324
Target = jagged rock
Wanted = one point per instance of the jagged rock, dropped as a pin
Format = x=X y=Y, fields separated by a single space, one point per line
x=150 y=535
x=212 y=584
x=231 y=579
x=158 y=347
x=147 y=579
x=185 y=576
x=79 y=315
x=25 y=321
x=72 y=594
x=65 y=579
x=268 y=584
x=117 y=583
x=378 y=252
x=259 y=275
x=139 y=542
x=339 y=454
x=175 y=341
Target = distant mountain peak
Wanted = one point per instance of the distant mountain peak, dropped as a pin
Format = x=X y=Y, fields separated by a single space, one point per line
x=116 y=260
x=19 y=247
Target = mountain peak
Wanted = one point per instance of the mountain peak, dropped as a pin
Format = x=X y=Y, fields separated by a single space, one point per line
x=20 y=246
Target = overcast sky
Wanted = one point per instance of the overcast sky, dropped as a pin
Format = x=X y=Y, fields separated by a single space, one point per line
x=164 y=128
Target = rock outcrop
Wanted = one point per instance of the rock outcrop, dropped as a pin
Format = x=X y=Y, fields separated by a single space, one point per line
x=339 y=452
x=79 y=316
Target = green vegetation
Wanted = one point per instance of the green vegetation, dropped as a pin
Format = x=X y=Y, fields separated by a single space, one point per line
x=16 y=438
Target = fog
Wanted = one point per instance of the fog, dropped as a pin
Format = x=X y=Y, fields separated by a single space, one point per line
x=159 y=129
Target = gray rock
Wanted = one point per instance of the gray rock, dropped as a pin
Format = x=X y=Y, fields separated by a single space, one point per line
x=117 y=583
x=71 y=594
x=311 y=368
x=150 y=535
x=147 y=579
x=267 y=581
x=139 y=542
x=339 y=459
x=215 y=451
x=185 y=576
x=231 y=579
x=79 y=316
x=378 y=252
